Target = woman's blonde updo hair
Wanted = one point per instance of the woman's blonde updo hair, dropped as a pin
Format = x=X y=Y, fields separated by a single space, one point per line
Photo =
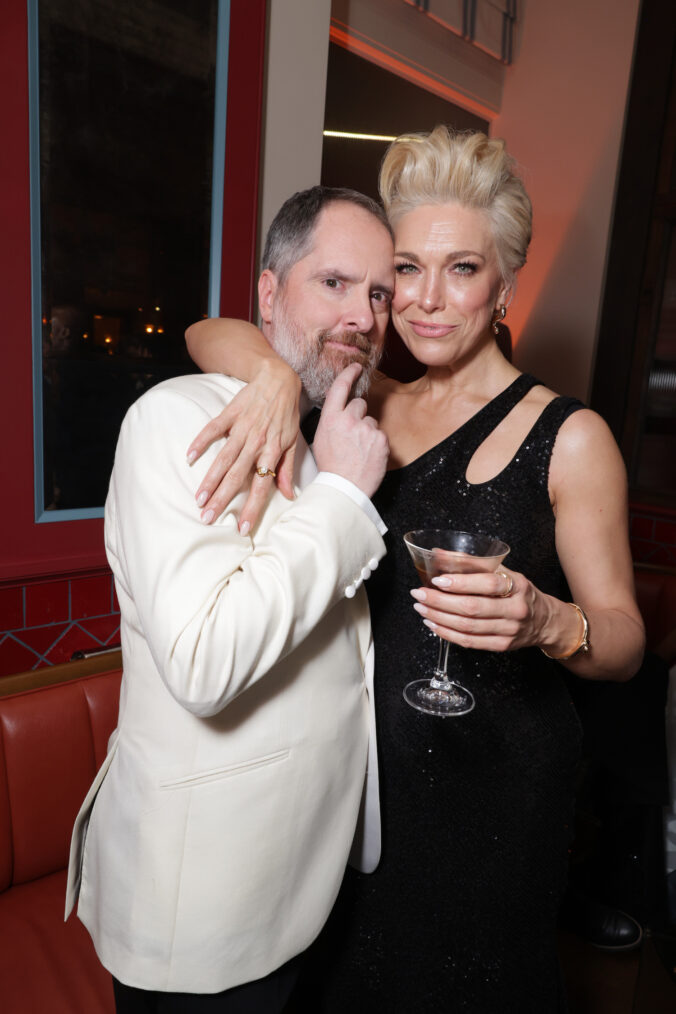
x=447 y=165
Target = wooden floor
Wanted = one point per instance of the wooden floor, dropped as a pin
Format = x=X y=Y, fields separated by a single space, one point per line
x=638 y=982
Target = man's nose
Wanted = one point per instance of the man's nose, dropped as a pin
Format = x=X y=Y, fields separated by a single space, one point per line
x=359 y=314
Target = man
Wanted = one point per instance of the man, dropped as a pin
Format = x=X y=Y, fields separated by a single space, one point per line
x=211 y=846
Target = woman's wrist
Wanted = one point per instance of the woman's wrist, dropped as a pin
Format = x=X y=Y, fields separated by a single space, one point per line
x=275 y=367
x=572 y=638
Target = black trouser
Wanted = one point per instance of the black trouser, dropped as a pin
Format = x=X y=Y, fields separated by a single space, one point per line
x=264 y=996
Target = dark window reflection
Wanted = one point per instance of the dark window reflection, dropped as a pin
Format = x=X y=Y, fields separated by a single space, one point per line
x=656 y=462
x=126 y=122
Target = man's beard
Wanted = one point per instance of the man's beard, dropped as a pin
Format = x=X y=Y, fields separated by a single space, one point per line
x=318 y=366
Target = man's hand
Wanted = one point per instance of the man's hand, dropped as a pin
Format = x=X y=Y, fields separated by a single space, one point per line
x=348 y=442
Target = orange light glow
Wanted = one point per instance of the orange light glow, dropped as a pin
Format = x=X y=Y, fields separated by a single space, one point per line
x=389 y=59
x=149 y=328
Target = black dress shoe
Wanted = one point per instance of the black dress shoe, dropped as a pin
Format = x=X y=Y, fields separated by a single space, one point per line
x=603 y=926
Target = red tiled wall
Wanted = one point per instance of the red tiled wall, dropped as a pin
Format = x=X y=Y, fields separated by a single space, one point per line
x=42 y=622
x=652 y=532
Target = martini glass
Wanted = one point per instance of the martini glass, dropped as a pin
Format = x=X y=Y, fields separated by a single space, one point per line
x=444 y=551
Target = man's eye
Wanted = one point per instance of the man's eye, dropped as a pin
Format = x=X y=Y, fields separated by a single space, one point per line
x=331 y=283
x=382 y=298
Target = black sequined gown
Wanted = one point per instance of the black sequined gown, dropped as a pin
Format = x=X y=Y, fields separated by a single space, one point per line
x=461 y=912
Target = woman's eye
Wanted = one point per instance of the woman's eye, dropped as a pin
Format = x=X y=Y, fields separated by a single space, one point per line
x=465 y=268
x=405 y=268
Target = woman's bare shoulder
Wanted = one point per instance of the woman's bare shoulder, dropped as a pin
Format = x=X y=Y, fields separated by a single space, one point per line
x=585 y=446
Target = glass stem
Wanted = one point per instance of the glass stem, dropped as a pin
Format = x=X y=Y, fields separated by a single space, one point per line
x=440 y=679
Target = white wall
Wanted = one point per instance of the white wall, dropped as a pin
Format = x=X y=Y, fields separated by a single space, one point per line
x=295 y=91
x=562 y=116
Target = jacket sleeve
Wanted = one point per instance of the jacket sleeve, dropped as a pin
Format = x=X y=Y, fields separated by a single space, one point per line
x=216 y=609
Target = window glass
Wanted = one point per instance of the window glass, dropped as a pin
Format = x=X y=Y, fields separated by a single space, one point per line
x=654 y=467
x=126 y=116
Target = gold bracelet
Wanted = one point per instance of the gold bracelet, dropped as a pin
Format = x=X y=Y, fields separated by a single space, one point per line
x=582 y=645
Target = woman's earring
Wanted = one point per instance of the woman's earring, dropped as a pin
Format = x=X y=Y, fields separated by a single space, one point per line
x=499 y=315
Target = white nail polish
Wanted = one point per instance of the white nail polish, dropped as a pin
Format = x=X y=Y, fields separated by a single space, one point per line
x=207 y=517
x=244 y=528
x=202 y=498
x=191 y=456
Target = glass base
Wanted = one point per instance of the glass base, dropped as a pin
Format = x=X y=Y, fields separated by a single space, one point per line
x=423 y=695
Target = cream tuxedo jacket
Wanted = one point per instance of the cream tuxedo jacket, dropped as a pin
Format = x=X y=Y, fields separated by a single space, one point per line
x=212 y=844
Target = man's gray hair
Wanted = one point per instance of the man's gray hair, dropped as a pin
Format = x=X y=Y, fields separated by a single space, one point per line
x=290 y=236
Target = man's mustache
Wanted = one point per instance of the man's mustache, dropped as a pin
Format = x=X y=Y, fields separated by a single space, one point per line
x=354 y=339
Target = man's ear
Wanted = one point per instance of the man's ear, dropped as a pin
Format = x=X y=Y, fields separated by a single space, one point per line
x=268 y=286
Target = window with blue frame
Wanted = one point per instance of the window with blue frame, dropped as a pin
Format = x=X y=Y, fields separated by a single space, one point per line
x=127 y=175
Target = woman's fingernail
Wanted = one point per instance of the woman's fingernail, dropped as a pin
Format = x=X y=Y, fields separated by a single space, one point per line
x=420 y=609
x=207 y=517
x=202 y=498
x=191 y=456
x=419 y=593
x=428 y=623
x=443 y=581
x=244 y=528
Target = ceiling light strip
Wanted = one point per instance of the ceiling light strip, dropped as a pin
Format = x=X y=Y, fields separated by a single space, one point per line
x=359 y=137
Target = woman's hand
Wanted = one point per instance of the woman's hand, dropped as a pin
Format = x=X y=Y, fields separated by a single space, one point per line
x=502 y=611
x=262 y=424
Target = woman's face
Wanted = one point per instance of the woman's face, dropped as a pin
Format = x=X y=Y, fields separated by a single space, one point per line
x=448 y=283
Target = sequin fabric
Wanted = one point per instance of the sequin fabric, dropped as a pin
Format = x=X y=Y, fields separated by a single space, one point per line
x=476 y=811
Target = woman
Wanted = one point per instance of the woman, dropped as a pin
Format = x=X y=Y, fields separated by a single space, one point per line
x=461 y=913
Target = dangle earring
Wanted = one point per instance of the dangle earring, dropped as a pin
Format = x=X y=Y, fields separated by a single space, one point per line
x=499 y=315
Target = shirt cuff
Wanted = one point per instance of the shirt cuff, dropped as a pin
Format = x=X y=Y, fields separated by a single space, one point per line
x=354 y=493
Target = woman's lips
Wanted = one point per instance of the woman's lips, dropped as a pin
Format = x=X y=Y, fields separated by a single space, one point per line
x=431 y=330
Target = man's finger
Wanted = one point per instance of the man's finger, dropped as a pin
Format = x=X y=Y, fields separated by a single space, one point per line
x=356 y=408
x=339 y=392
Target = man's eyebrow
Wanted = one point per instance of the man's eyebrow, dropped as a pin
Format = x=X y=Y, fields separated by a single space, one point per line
x=343 y=276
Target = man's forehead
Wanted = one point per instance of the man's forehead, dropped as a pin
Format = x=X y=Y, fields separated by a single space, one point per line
x=345 y=215
x=347 y=234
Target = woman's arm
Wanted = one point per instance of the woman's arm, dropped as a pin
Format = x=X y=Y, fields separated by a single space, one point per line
x=588 y=485
x=261 y=422
x=217 y=344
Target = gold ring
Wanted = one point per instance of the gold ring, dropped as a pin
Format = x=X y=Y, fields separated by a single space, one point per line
x=264 y=472
x=509 y=577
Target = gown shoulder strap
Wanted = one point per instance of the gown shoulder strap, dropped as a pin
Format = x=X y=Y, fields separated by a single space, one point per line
x=476 y=429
